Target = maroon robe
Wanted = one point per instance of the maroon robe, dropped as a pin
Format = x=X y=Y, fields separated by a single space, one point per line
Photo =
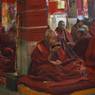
x=74 y=32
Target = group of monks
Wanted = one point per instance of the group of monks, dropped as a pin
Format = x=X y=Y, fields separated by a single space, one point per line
x=63 y=62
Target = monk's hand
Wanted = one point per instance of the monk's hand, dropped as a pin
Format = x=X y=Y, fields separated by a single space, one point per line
x=57 y=62
x=71 y=43
x=78 y=62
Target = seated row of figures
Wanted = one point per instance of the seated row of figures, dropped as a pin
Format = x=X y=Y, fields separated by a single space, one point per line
x=60 y=66
x=78 y=31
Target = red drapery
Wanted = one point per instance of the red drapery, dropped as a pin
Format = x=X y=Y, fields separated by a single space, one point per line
x=79 y=7
x=9 y=1
x=53 y=7
x=33 y=19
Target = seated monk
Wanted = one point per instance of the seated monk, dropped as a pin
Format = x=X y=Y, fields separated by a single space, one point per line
x=82 y=41
x=51 y=71
x=7 y=52
x=85 y=48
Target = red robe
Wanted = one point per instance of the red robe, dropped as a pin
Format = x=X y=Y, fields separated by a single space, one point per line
x=63 y=34
x=85 y=49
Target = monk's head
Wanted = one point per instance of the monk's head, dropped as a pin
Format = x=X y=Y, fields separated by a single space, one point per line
x=61 y=24
x=80 y=20
x=56 y=46
x=83 y=32
x=51 y=37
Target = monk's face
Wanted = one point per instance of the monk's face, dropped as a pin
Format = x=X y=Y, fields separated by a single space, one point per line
x=56 y=48
x=53 y=39
x=61 y=25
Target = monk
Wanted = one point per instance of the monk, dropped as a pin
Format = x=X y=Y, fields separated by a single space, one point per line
x=61 y=31
x=63 y=34
x=82 y=40
x=7 y=52
x=79 y=23
x=85 y=49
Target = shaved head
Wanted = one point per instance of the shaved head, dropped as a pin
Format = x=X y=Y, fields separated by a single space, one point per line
x=51 y=36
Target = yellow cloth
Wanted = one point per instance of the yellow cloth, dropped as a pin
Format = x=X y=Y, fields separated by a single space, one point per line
x=27 y=91
x=85 y=92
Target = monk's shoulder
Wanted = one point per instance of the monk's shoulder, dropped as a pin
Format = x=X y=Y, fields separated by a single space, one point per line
x=41 y=46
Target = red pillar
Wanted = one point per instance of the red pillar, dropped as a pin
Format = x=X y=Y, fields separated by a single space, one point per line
x=85 y=8
x=33 y=19
x=79 y=7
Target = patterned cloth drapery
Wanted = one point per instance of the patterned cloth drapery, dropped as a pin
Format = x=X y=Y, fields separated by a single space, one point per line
x=8 y=15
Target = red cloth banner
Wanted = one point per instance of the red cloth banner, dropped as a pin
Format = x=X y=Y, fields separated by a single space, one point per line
x=85 y=8
x=53 y=7
x=8 y=1
x=79 y=7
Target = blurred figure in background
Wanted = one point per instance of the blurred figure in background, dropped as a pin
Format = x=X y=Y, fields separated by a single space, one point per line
x=79 y=23
x=65 y=38
x=82 y=40
x=82 y=33
x=61 y=31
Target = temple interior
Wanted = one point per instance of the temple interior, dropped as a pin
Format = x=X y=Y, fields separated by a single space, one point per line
x=47 y=47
